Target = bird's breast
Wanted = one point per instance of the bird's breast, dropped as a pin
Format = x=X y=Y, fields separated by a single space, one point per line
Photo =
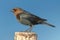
x=24 y=21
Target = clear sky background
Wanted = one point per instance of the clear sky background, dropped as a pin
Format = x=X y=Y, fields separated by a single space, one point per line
x=49 y=9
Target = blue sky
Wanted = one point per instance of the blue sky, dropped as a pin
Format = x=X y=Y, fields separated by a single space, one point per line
x=49 y=9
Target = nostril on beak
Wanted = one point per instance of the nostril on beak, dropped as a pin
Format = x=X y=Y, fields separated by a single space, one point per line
x=14 y=10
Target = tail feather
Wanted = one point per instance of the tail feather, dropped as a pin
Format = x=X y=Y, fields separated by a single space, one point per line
x=48 y=24
x=44 y=19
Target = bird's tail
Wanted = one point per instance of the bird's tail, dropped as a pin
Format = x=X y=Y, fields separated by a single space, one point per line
x=48 y=24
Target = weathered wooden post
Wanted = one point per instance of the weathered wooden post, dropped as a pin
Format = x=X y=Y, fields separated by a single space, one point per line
x=25 y=36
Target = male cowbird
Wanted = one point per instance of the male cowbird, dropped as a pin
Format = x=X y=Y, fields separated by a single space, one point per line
x=27 y=18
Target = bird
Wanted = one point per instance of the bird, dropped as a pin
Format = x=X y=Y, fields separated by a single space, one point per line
x=27 y=18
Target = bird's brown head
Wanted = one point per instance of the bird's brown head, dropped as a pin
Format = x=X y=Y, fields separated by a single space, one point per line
x=17 y=11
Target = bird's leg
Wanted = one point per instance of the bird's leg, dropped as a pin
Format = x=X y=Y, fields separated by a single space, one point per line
x=29 y=29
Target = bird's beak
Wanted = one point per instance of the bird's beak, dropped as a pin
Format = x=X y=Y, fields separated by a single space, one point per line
x=12 y=10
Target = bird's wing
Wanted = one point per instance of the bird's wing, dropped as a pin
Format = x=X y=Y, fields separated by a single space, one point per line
x=30 y=17
x=34 y=16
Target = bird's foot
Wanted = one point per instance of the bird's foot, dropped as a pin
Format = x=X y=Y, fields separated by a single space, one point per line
x=27 y=31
